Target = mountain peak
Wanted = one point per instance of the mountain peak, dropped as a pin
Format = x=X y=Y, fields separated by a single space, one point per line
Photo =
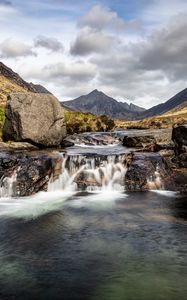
x=99 y=103
x=94 y=92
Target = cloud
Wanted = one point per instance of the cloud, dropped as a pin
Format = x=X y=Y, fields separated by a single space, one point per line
x=153 y=68
x=166 y=49
x=6 y=8
x=10 y=48
x=91 y=41
x=100 y=17
x=50 y=43
x=71 y=72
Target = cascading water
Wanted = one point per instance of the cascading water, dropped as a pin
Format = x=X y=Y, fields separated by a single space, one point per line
x=90 y=174
x=98 y=174
x=155 y=182
x=7 y=185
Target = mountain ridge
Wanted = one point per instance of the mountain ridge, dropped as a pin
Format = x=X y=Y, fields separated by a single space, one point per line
x=11 y=82
x=99 y=103
x=166 y=106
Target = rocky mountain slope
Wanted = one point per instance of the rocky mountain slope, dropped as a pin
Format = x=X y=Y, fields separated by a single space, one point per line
x=167 y=106
x=11 y=82
x=98 y=103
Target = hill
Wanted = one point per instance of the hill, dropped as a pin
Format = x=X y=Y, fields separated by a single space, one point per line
x=98 y=103
x=165 y=107
x=11 y=82
x=177 y=115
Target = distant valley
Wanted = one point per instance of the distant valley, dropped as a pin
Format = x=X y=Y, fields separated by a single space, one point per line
x=98 y=103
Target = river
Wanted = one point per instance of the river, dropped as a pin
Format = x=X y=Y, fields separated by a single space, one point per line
x=94 y=244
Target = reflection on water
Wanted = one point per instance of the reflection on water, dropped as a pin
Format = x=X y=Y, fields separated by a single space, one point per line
x=94 y=246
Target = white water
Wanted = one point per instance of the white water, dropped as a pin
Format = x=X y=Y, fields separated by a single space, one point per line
x=7 y=185
x=97 y=174
x=104 y=179
x=155 y=182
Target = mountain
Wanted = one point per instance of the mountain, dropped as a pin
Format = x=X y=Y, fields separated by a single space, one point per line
x=98 y=103
x=167 y=106
x=11 y=82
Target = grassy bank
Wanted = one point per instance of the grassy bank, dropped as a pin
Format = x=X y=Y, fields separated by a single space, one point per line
x=78 y=122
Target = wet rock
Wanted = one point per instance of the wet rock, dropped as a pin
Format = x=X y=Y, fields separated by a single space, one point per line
x=179 y=137
x=33 y=171
x=147 y=172
x=139 y=141
x=95 y=139
x=67 y=143
x=34 y=118
x=17 y=146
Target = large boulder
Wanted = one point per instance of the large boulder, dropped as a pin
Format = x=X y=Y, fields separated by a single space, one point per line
x=34 y=118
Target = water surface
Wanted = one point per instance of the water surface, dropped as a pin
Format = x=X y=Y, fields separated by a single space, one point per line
x=95 y=246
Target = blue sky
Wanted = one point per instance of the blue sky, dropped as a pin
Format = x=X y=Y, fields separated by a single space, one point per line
x=134 y=51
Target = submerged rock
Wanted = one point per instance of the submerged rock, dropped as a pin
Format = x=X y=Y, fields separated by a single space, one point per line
x=34 y=118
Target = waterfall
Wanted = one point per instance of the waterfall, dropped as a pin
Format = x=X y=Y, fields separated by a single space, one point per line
x=90 y=173
x=7 y=185
x=155 y=182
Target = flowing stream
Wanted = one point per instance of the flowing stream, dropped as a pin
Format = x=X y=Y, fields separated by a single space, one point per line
x=87 y=238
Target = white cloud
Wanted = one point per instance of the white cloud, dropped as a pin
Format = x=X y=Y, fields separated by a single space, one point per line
x=12 y=48
x=100 y=17
x=92 y=41
x=49 y=43
x=6 y=9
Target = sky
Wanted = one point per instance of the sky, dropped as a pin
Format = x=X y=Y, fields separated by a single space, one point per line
x=134 y=51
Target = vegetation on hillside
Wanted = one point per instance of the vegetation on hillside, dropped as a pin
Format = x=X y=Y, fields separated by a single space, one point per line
x=7 y=87
x=78 y=122
x=2 y=119
x=177 y=116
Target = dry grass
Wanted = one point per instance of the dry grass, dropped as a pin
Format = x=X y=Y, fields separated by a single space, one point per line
x=7 y=87
x=168 y=120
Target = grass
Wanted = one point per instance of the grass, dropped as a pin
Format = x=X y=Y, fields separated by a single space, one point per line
x=168 y=120
x=7 y=87
x=78 y=122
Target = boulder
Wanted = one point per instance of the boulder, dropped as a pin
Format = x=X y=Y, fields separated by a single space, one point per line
x=179 y=137
x=139 y=141
x=34 y=118
x=148 y=171
x=28 y=173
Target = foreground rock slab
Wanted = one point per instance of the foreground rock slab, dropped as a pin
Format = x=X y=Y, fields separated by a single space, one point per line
x=34 y=118
x=25 y=174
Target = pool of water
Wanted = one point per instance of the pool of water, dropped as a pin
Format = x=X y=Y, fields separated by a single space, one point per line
x=94 y=246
